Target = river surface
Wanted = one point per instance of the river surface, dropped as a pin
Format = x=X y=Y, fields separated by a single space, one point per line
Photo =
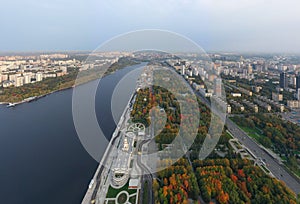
x=42 y=159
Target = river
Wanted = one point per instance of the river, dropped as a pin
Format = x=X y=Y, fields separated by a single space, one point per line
x=42 y=159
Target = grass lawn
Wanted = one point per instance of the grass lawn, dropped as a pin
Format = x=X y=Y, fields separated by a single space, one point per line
x=252 y=132
x=112 y=192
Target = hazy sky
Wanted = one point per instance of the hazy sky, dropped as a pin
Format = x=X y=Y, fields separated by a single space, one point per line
x=216 y=25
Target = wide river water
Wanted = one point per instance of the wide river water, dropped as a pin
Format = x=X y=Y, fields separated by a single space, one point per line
x=41 y=157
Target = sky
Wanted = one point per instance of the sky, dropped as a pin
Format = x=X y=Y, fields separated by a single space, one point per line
x=216 y=25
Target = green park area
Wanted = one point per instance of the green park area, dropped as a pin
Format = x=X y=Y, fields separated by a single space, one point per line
x=282 y=137
x=113 y=192
x=253 y=132
x=121 y=195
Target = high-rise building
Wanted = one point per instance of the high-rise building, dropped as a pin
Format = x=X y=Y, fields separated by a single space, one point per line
x=183 y=70
x=19 y=81
x=298 y=81
x=39 y=76
x=195 y=72
x=298 y=94
x=283 y=80
x=27 y=78
x=218 y=87
x=4 y=77
x=64 y=70
x=292 y=81
x=298 y=87
x=250 y=69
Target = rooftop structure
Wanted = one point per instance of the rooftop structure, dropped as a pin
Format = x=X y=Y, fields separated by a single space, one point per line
x=275 y=104
x=263 y=104
x=251 y=105
x=238 y=105
x=283 y=83
x=121 y=167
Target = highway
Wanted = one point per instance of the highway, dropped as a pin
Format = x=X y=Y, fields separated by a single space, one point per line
x=277 y=169
x=273 y=165
x=147 y=176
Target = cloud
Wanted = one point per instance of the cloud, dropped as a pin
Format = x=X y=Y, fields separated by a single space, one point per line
x=214 y=24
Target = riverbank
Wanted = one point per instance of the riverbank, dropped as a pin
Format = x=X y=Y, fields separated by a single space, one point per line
x=33 y=98
x=18 y=95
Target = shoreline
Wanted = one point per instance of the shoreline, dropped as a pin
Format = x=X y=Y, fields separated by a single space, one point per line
x=34 y=98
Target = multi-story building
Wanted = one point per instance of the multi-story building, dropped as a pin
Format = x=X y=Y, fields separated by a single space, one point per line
x=121 y=167
x=263 y=105
x=293 y=81
x=250 y=69
x=256 y=89
x=283 y=83
x=204 y=93
x=27 y=78
x=236 y=94
x=196 y=86
x=223 y=104
x=298 y=81
x=218 y=87
x=237 y=105
x=39 y=76
x=275 y=104
x=13 y=77
x=277 y=96
x=298 y=87
x=64 y=70
x=7 y=84
x=195 y=72
x=297 y=94
x=245 y=91
x=251 y=105
x=4 y=77
x=19 y=81
x=183 y=70
x=293 y=104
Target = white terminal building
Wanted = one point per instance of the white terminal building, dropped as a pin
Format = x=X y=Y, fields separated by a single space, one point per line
x=121 y=166
x=125 y=166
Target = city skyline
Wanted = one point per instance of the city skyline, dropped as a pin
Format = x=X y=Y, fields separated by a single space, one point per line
x=146 y=102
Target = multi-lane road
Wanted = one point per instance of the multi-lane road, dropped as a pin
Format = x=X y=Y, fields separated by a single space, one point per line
x=146 y=174
x=276 y=168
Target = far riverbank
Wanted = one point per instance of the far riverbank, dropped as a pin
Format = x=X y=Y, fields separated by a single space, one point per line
x=17 y=95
